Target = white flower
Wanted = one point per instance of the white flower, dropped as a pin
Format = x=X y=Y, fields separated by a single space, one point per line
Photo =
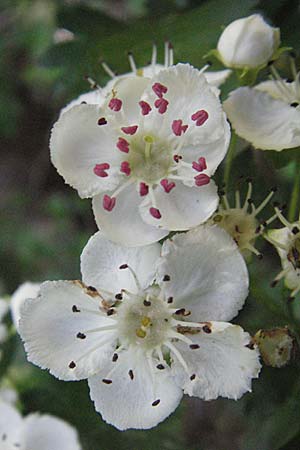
x=147 y=156
x=248 y=43
x=98 y=95
x=286 y=240
x=268 y=116
x=24 y=291
x=145 y=328
x=34 y=432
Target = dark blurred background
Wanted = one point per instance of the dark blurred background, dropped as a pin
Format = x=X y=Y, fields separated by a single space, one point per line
x=47 y=47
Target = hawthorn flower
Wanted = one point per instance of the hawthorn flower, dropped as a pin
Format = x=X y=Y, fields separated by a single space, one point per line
x=146 y=156
x=248 y=43
x=147 y=325
x=286 y=240
x=268 y=116
x=24 y=291
x=240 y=223
x=34 y=432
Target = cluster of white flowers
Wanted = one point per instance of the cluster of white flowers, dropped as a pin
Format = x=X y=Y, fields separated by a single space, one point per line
x=149 y=321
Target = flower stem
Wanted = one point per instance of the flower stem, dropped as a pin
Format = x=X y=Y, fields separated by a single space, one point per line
x=230 y=157
x=296 y=191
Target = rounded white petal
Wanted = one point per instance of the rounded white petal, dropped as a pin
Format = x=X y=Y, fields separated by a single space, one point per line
x=248 y=42
x=24 y=291
x=217 y=77
x=10 y=425
x=78 y=143
x=101 y=260
x=49 y=327
x=95 y=97
x=141 y=400
x=183 y=208
x=208 y=275
x=44 y=432
x=223 y=364
x=124 y=224
x=268 y=123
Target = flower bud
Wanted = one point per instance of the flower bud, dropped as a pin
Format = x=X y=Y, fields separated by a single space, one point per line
x=248 y=43
x=275 y=346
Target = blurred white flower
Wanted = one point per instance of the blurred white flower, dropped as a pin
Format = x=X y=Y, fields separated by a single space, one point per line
x=34 y=432
x=248 y=43
x=268 y=116
x=24 y=291
x=148 y=325
x=286 y=240
x=147 y=155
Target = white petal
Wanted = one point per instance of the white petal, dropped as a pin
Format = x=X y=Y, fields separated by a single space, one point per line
x=207 y=273
x=44 y=432
x=101 y=260
x=188 y=92
x=124 y=224
x=49 y=328
x=78 y=143
x=267 y=123
x=95 y=97
x=223 y=364
x=26 y=290
x=10 y=424
x=127 y=401
x=184 y=207
x=218 y=77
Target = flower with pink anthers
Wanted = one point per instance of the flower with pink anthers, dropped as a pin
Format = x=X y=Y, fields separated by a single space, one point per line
x=147 y=155
x=149 y=324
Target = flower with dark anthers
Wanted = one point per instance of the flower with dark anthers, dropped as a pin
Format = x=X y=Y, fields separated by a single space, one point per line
x=240 y=220
x=286 y=240
x=268 y=116
x=34 y=432
x=149 y=324
x=147 y=155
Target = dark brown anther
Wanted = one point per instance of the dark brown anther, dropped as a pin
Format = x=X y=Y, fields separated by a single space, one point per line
x=119 y=296
x=194 y=346
x=206 y=329
x=166 y=278
x=72 y=365
x=180 y=312
x=251 y=345
x=170 y=300
x=110 y=312
x=123 y=266
x=294 y=104
x=260 y=256
x=102 y=121
x=106 y=381
x=147 y=303
x=92 y=288
x=295 y=230
x=130 y=373
x=75 y=309
x=274 y=283
x=192 y=377
x=80 y=335
x=156 y=402
x=160 y=366
x=115 y=357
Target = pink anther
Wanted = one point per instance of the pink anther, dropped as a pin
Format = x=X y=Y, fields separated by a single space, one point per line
x=130 y=130
x=144 y=189
x=200 y=165
x=178 y=128
x=108 y=202
x=125 y=168
x=123 y=145
x=100 y=170
x=161 y=104
x=145 y=107
x=168 y=186
x=115 y=104
x=155 y=213
x=159 y=89
x=200 y=117
x=201 y=180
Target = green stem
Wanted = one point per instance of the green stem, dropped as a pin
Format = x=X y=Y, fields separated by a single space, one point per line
x=229 y=158
x=296 y=191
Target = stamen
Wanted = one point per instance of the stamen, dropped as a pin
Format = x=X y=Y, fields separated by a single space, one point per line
x=93 y=84
x=161 y=104
x=108 y=69
x=237 y=199
x=200 y=117
x=123 y=145
x=155 y=213
x=130 y=130
x=108 y=202
x=167 y=186
x=145 y=107
x=100 y=170
x=156 y=402
x=133 y=273
x=125 y=168
x=159 y=89
x=248 y=197
x=177 y=127
x=166 y=54
x=148 y=141
x=154 y=57
x=200 y=165
x=201 y=180
x=115 y=104
x=132 y=62
x=283 y=220
x=171 y=54
x=177 y=354
x=144 y=189
x=263 y=203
